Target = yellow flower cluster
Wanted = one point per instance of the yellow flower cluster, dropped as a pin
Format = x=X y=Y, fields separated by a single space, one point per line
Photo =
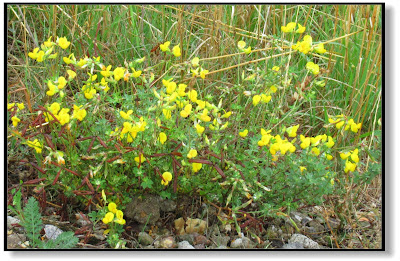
x=303 y=46
x=263 y=97
x=36 y=145
x=340 y=121
x=291 y=27
x=352 y=160
x=313 y=68
x=114 y=215
x=46 y=49
x=130 y=127
x=20 y=106
x=62 y=113
x=56 y=86
x=176 y=50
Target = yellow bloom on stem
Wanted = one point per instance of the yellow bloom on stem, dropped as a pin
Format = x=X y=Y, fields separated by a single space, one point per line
x=167 y=113
x=71 y=74
x=79 y=113
x=89 y=92
x=305 y=142
x=192 y=153
x=52 y=89
x=119 y=73
x=34 y=55
x=36 y=145
x=10 y=105
x=355 y=127
x=313 y=68
x=304 y=46
x=126 y=115
x=330 y=142
x=243 y=133
x=241 y=45
x=328 y=156
x=176 y=51
x=345 y=155
x=196 y=166
x=142 y=158
x=106 y=71
x=108 y=218
x=61 y=82
x=315 y=151
x=63 y=116
x=15 y=121
x=339 y=124
x=167 y=176
x=320 y=48
x=276 y=68
x=354 y=156
x=192 y=94
x=20 y=106
x=195 y=61
x=162 y=137
x=171 y=87
x=63 y=42
x=69 y=59
x=49 y=43
x=247 y=50
x=40 y=56
x=203 y=73
x=135 y=73
x=181 y=89
x=204 y=116
x=199 y=129
x=227 y=115
x=186 y=112
x=350 y=166
x=256 y=99
x=292 y=131
x=164 y=46
x=112 y=207
x=120 y=217
x=290 y=27
x=302 y=168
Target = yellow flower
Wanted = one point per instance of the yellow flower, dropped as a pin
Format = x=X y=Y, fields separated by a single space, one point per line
x=171 y=87
x=167 y=176
x=354 y=156
x=52 y=89
x=313 y=68
x=195 y=61
x=162 y=137
x=199 y=129
x=142 y=159
x=34 y=54
x=15 y=121
x=344 y=155
x=339 y=124
x=164 y=46
x=292 y=131
x=63 y=116
x=176 y=51
x=192 y=153
x=81 y=62
x=126 y=115
x=61 y=82
x=40 y=56
x=204 y=116
x=10 y=105
x=63 y=42
x=247 y=50
x=135 y=73
x=186 y=112
x=290 y=27
x=273 y=89
x=181 y=89
x=241 y=45
x=304 y=46
x=36 y=145
x=112 y=207
x=276 y=68
x=108 y=218
x=256 y=99
x=89 y=92
x=196 y=166
x=305 y=142
x=301 y=29
x=192 y=94
x=203 y=73
x=71 y=74
x=79 y=113
x=48 y=43
x=120 y=217
x=69 y=59
x=21 y=106
x=350 y=166
x=105 y=71
x=315 y=151
x=330 y=142
x=355 y=127
x=328 y=156
x=243 y=133
x=167 y=113
x=320 y=48
x=226 y=115
x=302 y=168
x=119 y=73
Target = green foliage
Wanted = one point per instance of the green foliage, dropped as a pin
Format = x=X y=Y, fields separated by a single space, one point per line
x=32 y=222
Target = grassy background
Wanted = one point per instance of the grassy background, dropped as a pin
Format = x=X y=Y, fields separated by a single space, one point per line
x=123 y=33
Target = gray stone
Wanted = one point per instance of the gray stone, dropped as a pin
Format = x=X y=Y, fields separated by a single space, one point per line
x=304 y=241
x=12 y=220
x=145 y=239
x=293 y=246
x=298 y=217
x=167 y=242
x=220 y=240
x=144 y=210
x=15 y=241
x=185 y=245
x=187 y=237
x=167 y=205
x=315 y=229
x=242 y=242
x=52 y=232
x=334 y=223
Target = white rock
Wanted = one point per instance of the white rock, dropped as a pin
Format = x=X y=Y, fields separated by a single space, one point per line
x=185 y=245
x=304 y=241
x=52 y=232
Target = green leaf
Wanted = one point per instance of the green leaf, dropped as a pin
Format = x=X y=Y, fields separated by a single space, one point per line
x=32 y=221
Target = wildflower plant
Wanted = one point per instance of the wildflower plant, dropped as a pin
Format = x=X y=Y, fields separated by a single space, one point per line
x=119 y=128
